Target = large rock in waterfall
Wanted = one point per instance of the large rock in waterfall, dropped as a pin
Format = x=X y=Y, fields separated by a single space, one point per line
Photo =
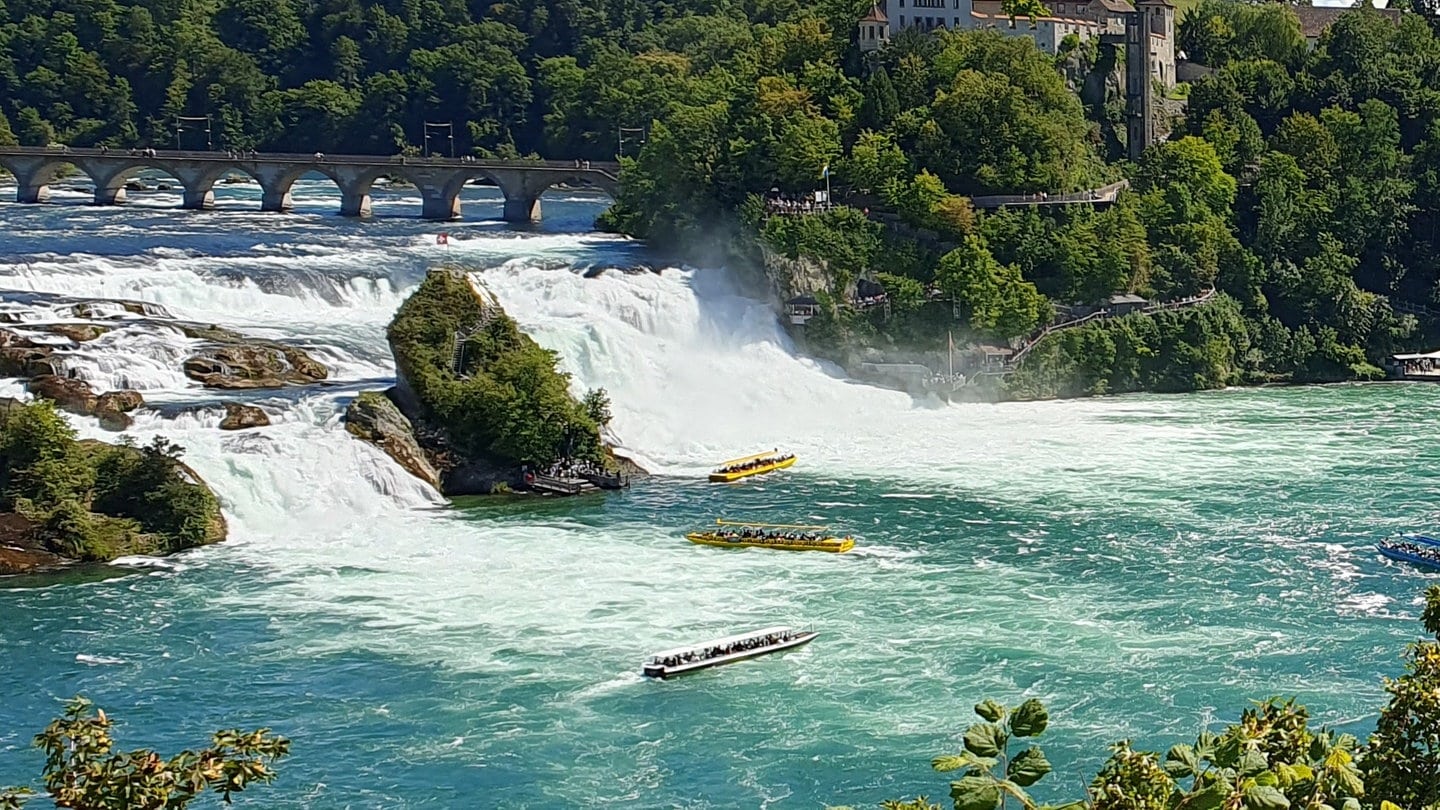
x=254 y=364
x=243 y=417
x=113 y=409
x=476 y=402
x=70 y=395
x=374 y=418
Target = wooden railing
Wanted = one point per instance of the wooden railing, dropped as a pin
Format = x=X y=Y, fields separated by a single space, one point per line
x=1162 y=306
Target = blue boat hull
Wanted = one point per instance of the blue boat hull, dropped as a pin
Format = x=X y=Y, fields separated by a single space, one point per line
x=1409 y=558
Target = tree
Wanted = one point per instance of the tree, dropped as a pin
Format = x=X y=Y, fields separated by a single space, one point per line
x=597 y=406
x=84 y=772
x=1183 y=181
x=997 y=301
x=880 y=104
x=7 y=137
x=1023 y=8
x=874 y=161
x=31 y=129
x=1402 y=761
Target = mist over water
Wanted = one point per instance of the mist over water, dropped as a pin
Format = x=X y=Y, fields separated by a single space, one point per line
x=1143 y=564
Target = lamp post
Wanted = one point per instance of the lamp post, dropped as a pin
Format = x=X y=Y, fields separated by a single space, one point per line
x=623 y=130
x=182 y=123
x=449 y=129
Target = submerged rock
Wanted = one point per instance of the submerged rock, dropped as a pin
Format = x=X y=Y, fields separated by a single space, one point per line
x=115 y=421
x=78 y=332
x=243 y=417
x=374 y=418
x=26 y=362
x=119 y=401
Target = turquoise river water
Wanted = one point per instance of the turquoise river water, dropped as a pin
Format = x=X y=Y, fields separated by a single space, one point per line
x=1144 y=564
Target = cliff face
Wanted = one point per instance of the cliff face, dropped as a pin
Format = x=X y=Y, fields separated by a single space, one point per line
x=475 y=400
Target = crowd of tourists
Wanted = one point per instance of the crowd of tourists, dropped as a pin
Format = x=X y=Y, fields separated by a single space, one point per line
x=726 y=649
x=1424 y=365
x=1424 y=552
x=573 y=468
x=794 y=206
x=752 y=464
x=752 y=534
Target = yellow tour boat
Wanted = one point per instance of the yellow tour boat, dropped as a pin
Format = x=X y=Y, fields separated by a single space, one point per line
x=772 y=535
x=758 y=464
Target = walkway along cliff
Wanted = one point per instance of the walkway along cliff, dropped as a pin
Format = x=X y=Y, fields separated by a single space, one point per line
x=478 y=407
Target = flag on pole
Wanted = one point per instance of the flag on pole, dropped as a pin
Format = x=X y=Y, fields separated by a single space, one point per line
x=825 y=172
x=442 y=238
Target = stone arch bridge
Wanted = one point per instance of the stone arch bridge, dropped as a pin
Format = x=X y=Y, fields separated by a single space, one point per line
x=439 y=180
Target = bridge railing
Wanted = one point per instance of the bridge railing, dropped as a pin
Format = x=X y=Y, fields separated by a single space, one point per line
x=291 y=157
x=1104 y=314
x=1102 y=194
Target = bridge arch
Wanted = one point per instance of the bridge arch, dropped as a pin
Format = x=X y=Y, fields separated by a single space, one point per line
x=34 y=174
x=521 y=188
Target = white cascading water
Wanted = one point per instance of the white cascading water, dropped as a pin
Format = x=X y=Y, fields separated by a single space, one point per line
x=697 y=370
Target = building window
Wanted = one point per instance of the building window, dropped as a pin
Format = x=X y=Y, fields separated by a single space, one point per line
x=1061 y=8
x=902 y=20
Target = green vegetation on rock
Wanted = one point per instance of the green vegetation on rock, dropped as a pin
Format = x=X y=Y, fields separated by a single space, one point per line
x=506 y=401
x=88 y=500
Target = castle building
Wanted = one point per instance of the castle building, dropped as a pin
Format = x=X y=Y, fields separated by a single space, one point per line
x=1086 y=19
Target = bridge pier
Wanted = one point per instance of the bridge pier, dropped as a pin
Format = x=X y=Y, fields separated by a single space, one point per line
x=200 y=199
x=522 y=209
x=33 y=174
x=31 y=193
x=109 y=180
x=354 y=190
x=355 y=204
x=276 y=199
x=109 y=196
x=522 y=192
x=439 y=193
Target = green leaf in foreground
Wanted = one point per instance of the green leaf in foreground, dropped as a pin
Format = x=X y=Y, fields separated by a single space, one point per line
x=1028 y=767
x=975 y=793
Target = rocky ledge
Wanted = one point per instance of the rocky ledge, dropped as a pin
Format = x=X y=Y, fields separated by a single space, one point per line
x=35 y=348
x=478 y=406
x=229 y=360
x=83 y=500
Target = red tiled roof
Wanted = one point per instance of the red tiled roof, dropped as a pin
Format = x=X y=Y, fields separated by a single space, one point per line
x=875 y=15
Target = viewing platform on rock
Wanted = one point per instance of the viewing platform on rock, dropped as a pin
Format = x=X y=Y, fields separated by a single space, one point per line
x=438 y=180
x=1103 y=195
x=574 y=478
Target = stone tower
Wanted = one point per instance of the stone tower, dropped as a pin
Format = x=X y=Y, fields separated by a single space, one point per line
x=1160 y=22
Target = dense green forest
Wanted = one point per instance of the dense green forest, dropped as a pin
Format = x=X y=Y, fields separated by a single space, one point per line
x=1302 y=183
